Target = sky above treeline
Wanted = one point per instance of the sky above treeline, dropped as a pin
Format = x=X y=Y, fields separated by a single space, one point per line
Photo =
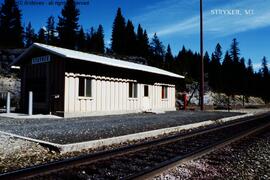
x=176 y=22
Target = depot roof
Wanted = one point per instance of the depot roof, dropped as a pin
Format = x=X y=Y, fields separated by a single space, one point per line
x=72 y=54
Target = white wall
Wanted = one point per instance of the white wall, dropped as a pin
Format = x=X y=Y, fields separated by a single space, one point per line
x=110 y=96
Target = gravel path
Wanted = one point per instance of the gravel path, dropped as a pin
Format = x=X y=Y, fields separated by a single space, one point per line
x=249 y=159
x=72 y=130
x=16 y=153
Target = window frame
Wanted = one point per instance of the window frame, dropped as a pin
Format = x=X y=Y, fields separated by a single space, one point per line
x=133 y=90
x=85 y=86
x=164 y=92
x=145 y=87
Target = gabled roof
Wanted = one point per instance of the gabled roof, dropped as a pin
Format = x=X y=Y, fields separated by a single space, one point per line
x=72 y=54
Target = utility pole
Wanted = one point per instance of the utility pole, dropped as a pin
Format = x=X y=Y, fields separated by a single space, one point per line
x=202 y=63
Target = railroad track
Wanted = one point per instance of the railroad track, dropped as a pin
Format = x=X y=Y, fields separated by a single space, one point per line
x=145 y=160
x=174 y=162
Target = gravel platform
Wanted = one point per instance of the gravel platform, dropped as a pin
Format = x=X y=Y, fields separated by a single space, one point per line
x=71 y=130
x=244 y=160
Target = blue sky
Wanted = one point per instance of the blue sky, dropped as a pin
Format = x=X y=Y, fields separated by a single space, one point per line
x=176 y=22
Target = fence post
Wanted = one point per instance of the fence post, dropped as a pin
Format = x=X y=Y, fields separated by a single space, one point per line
x=30 y=103
x=8 y=102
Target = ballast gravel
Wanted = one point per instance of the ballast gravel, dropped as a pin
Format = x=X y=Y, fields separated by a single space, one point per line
x=17 y=153
x=246 y=160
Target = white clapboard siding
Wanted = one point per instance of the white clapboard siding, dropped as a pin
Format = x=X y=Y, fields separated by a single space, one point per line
x=111 y=96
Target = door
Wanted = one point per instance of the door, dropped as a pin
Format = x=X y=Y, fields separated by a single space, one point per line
x=146 y=99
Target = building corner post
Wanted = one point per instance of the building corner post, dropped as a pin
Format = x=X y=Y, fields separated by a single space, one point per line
x=30 y=103
x=8 y=102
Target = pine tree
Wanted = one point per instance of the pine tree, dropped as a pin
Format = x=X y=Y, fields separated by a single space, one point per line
x=41 y=36
x=206 y=60
x=169 y=59
x=157 y=46
x=250 y=67
x=30 y=36
x=181 y=61
x=130 y=39
x=218 y=53
x=265 y=70
x=95 y=40
x=188 y=63
x=139 y=44
x=68 y=25
x=145 y=45
x=242 y=76
x=11 y=30
x=258 y=84
x=214 y=74
x=157 y=52
x=81 y=40
x=118 y=34
x=142 y=45
x=100 y=40
x=194 y=65
x=234 y=51
x=265 y=83
x=227 y=75
x=51 y=31
x=250 y=79
x=89 y=40
x=236 y=67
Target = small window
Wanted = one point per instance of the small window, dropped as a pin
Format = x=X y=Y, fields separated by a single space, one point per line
x=133 y=93
x=146 y=91
x=164 y=92
x=88 y=89
x=85 y=87
x=81 y=86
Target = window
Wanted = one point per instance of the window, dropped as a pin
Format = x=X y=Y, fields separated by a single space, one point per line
x=133 y=90
x=145 y=91
x=164 y=93
x=85 y=87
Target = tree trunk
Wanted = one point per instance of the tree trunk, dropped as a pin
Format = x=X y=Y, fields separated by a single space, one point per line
x=243 y=100
x=228 y=105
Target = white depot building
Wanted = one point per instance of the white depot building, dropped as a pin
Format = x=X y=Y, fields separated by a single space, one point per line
x=71 y=83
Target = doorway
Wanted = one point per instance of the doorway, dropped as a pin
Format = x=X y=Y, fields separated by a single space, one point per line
x=146 y=99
